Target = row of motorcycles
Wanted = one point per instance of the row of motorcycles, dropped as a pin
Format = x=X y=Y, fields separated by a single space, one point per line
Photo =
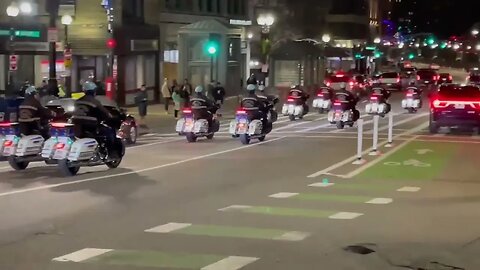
x=339 y=105
x=62 y=147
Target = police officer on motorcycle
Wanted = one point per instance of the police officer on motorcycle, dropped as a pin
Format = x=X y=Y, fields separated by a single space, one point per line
x=384 y=96
x=202 y=106
x=297 y=91
x=348 y=99
x=269 y=102
x=33 y=117
x=255 y=107
x=413 y=87
x=92 y=117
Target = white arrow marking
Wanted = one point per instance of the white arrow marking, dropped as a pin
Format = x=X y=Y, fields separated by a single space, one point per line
x=423 y=151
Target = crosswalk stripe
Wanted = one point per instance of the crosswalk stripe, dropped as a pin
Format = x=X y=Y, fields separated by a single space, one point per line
x=230 y=263
x=82 y=255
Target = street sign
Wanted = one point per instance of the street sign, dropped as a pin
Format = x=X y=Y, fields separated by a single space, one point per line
x=13 y=62
x=67 y=58
x=52 y=35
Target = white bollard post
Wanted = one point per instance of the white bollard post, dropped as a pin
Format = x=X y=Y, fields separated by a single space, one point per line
x=359 y=160
x=374 y=151
x=390 y=130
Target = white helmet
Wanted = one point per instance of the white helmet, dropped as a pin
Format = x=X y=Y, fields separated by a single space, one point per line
x=251 y=87
x=199 y=89
x=261 y=87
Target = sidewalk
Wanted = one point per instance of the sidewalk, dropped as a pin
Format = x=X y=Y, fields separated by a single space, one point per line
x=159 y=121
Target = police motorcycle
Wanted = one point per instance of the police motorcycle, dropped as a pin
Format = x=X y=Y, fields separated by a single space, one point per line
x=128 y=130
x=295 y=106
x=28 y=142
x=249 y=122
x=272 y=101
x=343 y=112
x=377 y=104
x=87 y=145
x=195 y=121
x=323 y=100
x=413 y=99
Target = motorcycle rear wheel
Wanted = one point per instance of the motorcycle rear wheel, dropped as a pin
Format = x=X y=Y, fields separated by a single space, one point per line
x=245 y=139
x=340 y=125
x=17 y=165
x=66 y=168
x=191 y=138
x=291 y=117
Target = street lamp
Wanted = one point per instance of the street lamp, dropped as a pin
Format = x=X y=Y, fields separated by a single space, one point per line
x=12 y=11
x=475 y=32
x=266 y=21
x=377 y=40
x=326 y=38
x=26 y=7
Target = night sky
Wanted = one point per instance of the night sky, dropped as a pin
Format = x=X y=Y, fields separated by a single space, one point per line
x=446 y=17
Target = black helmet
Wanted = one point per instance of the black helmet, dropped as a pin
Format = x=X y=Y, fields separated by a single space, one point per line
x=252 y=79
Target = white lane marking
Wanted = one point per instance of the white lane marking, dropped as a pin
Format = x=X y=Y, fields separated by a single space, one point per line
x=292 y=236
x=409 y=189
x=345 y=215
x=299 y=123
x=321 y=184
x=235 y=207
x=82 y=255
x=155 y=143
x=19 y=191
x=283 y=195
x=313 y=128
x=230 y=263
x=169 y=227
x=439 y=135
x=380 y=201
x=353 y=158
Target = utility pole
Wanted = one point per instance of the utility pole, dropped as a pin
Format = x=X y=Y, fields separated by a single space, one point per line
x=52 y=9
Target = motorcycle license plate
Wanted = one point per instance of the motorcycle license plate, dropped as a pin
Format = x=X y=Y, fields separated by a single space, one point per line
x=459 y=106
x=337 y=116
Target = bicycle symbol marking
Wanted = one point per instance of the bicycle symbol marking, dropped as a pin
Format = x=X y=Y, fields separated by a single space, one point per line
x=410 y=162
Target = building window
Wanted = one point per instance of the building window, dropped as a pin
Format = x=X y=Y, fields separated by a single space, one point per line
x=209 y=5
x=133 y=10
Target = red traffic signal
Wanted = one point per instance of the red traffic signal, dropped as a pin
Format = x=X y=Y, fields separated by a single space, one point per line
x=111 y=43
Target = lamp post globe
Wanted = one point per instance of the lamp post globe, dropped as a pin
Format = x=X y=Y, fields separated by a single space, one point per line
x=377 y=40
x=67 y=19
x=26 y=7
x=326 y=38
x=475 y=32
x=13 y=10
x=269 y=20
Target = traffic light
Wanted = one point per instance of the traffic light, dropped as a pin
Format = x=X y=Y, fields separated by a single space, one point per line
x=411 y=56
x=378 y=54
x=430 y=40
x=111 y=43
x=358 y=56
x=212 y=46
x=443 y=45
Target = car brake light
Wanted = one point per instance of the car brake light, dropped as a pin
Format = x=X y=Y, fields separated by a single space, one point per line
x=351 y=83
x=8 y=143
x=328 y=84
x=398 y=80
x=187 y=111
x=59 y=146
x=340 y=75
x=450 y=77
x=439 y=104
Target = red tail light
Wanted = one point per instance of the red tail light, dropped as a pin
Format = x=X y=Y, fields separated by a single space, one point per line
x=187 y=111
x=439 y=104
x=8 y=143
x=337 y=103
x=328 y=84
x=59 y=146
x=374 y=98
x=319 y=95
x=398 y=80
x=450 y=77
x=58 y=125
x=241 y=111
x=409 y=94
x=6 y=124
x=418 y=77
x=351 y=83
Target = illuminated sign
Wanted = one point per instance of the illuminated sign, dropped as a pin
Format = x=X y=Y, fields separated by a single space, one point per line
x=21 y=33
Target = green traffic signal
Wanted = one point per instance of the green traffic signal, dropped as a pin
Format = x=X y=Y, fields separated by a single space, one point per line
x=212 y=48
x=430 y=41
x=377 y=55
x=411 y=56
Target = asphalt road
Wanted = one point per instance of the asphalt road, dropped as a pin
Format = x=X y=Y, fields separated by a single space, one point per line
x=292 y=202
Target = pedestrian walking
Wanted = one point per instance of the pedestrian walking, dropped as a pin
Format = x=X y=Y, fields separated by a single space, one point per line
x=187 y=87
x=219 y=94
x=167 y=94
x=179 y=100
x=141 y=99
